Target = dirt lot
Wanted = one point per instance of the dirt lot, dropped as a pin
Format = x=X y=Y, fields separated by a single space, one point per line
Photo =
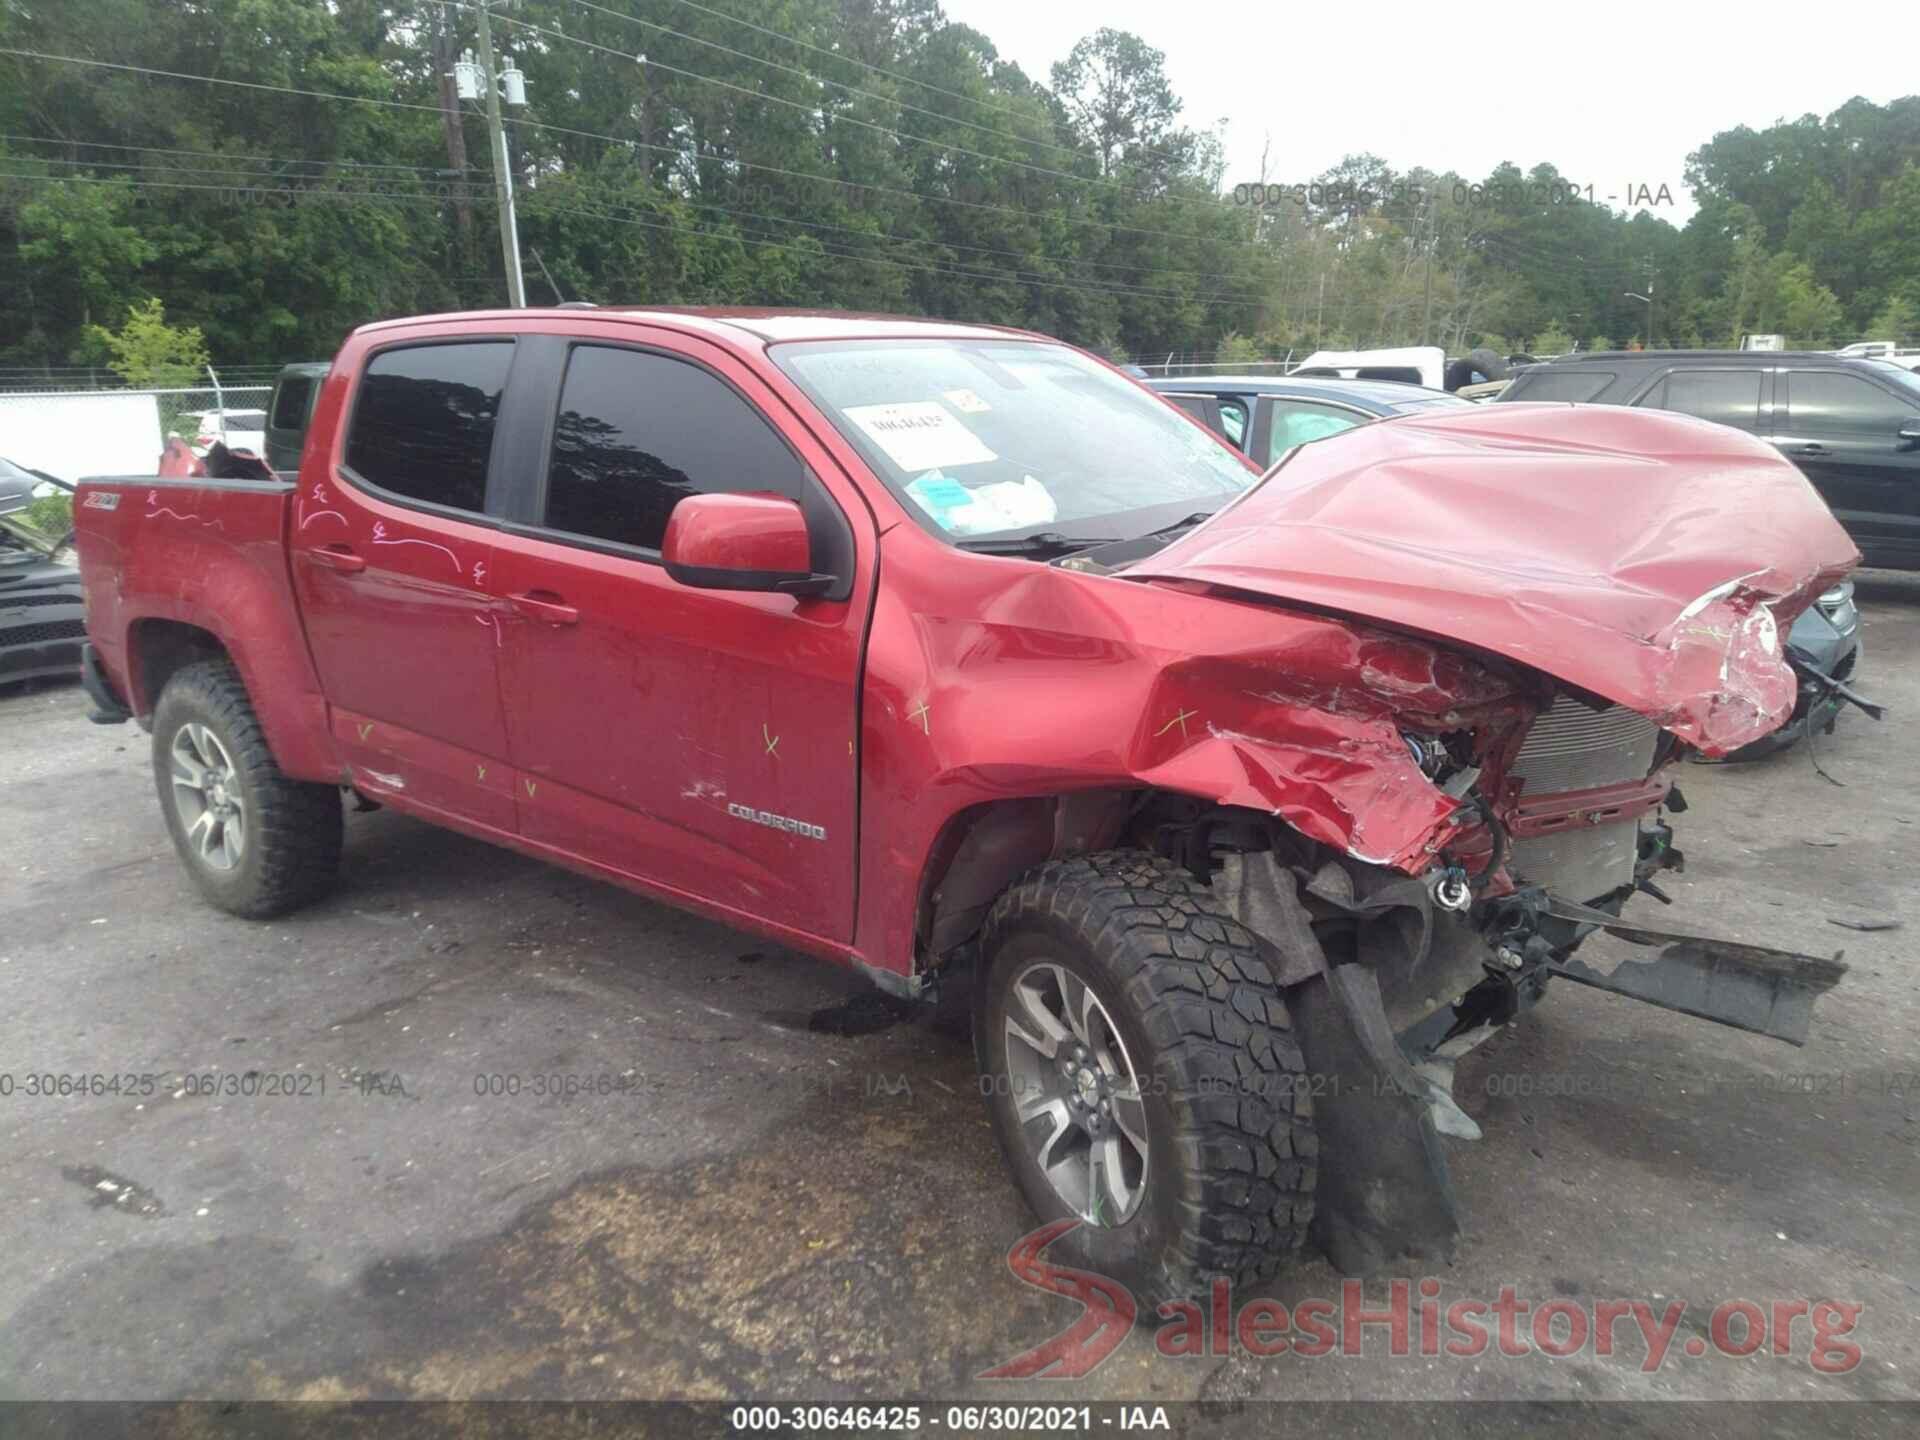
x=790 y=1193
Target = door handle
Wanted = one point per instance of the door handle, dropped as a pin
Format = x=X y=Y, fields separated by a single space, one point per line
x=545 y=605
x=338 y=557
x=1810 y=450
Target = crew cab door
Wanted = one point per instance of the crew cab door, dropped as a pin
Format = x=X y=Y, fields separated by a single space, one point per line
x=390 y=546
x=1843 y=430
x=702 y=742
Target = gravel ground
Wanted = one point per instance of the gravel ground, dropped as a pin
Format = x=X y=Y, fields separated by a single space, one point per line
x=791 y=1192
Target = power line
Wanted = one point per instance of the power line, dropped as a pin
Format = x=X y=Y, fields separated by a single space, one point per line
x=837 y=84
x=948 y=244
x=218 y=80
x=223 y=155
x=596 y=135
x=888 y=130
x=900 y=191
x=315 y=182
x=1017 y=278
x=847 y=59
x=951 y=272
x=482 y=195
x=224 y=189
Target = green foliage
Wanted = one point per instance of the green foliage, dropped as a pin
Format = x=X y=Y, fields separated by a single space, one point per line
x=1799 y=307
x=1551 y=341
x=1237 y=349
x=148 y=352
x=901 y=164
x=50 y=515
x=1897 y=320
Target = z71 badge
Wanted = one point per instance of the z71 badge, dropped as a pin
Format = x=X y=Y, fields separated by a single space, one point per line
x=101 y=500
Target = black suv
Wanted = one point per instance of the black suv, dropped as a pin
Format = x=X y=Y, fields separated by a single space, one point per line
x=1853 y=426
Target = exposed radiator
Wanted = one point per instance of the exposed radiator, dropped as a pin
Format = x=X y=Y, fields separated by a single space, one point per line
x=1572 y=747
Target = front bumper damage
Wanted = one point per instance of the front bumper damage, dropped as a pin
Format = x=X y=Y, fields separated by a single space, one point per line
x=1387 y=989
x=1749 y=987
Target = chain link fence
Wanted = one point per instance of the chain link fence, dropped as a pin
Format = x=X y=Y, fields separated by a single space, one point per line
x=76 y=433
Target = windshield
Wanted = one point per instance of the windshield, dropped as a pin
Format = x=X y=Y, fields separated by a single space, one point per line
x=1902 y=378
x=1002 y=437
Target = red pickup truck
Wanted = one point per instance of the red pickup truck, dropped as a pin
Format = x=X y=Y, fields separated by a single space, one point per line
x=1240 y=806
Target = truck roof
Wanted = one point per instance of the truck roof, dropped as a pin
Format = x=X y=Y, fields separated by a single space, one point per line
x=1717 y=357
x=767 y=325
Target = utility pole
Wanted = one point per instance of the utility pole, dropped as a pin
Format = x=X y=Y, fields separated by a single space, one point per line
x=1426 y=319
x=1648 y=298
x=502 y=176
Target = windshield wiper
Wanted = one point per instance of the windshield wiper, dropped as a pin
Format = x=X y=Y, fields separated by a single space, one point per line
x=1048 y=542
x=1179 y=525
x=1044 y=542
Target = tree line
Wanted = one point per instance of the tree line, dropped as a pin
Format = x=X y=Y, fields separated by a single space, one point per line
x=275 y=172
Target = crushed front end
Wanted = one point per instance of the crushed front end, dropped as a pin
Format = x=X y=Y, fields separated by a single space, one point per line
x=1391 y=976
x=1583 y=652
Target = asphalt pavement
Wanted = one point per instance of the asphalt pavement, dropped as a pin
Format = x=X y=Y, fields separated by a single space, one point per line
x=475 y=1127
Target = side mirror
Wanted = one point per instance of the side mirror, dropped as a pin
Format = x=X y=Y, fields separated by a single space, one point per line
x=741 y=542
x=1909 y=434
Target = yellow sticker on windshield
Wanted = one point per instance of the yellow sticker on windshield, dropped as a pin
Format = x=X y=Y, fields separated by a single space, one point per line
x=965 y=401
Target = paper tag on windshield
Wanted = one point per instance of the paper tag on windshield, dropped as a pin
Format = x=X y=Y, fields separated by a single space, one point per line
x=920 y=435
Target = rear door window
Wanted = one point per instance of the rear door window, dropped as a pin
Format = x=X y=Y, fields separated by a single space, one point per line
x=290 y=402
x=1233 y=420
x=423 y=421
x=1727 y=397
x=1554 y=383
x=1836 y=403
x=1293 y=423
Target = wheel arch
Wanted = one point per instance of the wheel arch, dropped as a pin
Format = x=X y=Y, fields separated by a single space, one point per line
x=291 y=713
x=984 y=848
x=158 y=648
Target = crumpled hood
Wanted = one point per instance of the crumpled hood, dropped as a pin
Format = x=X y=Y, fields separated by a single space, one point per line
x=1636 y=554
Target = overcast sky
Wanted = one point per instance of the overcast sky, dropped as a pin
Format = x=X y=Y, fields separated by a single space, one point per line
x=1463 y=87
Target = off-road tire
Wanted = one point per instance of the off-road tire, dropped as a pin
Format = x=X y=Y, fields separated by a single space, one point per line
x=1229 y=1182
x=291 y=853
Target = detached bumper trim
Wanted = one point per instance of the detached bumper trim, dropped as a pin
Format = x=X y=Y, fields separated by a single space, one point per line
x=108 y=708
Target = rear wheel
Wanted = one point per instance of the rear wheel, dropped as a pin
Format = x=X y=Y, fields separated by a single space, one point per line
x=256 y=843
x=1141 y=1075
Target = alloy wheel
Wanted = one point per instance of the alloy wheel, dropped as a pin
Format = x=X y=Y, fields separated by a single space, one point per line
x=1076 y=1094
x=207 y=795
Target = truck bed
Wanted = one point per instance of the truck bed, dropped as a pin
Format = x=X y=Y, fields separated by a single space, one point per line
x=199 y=555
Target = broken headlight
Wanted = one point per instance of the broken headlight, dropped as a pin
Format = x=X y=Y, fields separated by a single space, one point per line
x=1429 y=753
x=1447 y=760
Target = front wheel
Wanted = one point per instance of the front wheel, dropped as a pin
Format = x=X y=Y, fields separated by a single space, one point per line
x=257 y=843
x=1142 y=1077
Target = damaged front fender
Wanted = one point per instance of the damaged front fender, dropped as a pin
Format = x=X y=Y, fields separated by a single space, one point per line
x=1644 y=557
x=1046 y=682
